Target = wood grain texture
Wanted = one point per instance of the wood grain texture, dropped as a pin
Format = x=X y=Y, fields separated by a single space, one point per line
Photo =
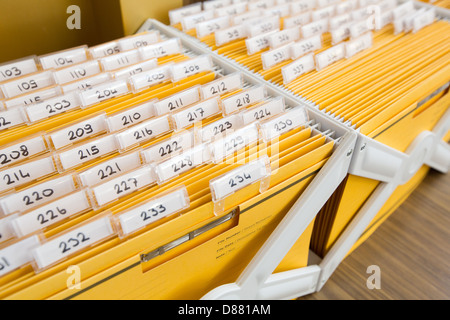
x=411 y=248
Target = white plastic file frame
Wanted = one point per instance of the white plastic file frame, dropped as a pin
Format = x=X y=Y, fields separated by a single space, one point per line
x=257 y=281
x=370 y=159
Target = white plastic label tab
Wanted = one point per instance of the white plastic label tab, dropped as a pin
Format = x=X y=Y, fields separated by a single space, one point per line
x=182 y=163
x=402 y=10
x=259 y=42
x=72 y=242
x=269 y=24
x=52 y=107
x=208 y=27
x=33 y=97
x=339 y=21
x=161 y=49
x=189 y=22
x=277 y=126
x=18 y=68
x=222 y=85
x=281 y=10
x=6 y=231
x=79 y=131
x=103 y=92
x=104 y=49
x=22 y=150
x=190 y=67
x=139 y=40
x=297 y=20
x=86 y=83
x=423 y=19
x=305 y=46
x=37 y=195
x=77 y=72
x=87 y=152
x=231 y=10
x=64 y=58
x=120 y=60
x=21 y=174
x=325 y=3
x=384 y=19
x=227 y=35
x=314 y=28
x=177 y=101
x=359 y=44
x=51 y=213
x=323 y=13
x=362 y=13
x=123 y=185
x=169 y=147
x=143 y=131
x=346 y=6
x=109 y=169
x=130 y=116
x=233 y=142
x=408 y=19
x=150 y=78
x=239 y=178
x=176 y=15
x=153 y=210
x=263 y=111
x=18 y=254
x=32 y=82
x=243 y=99
x=260 y=4
x=135 y=69
x=329 y=56
x=276 y=56
x=302 y=6
x=297 y=68
x=283 y=37
x=219 y=128
x=11 y=118
x=196 y=113
x=340 y=34
x=214 y=4
x=359 y=28
x=241 y=18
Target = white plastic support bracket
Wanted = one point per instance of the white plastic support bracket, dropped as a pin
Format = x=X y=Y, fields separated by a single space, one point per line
x=375 y=160
x=392 y=168
x=257 y=281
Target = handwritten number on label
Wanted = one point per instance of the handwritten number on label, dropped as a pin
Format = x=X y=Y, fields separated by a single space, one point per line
x=233 y=182
x=152 y=212
x=50 y=215
x=73 y=242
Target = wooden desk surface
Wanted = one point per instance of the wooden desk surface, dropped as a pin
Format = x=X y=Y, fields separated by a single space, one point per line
x=411 y=248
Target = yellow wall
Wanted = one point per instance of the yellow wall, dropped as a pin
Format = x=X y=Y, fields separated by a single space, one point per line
x=38 y=27
x=136 y=11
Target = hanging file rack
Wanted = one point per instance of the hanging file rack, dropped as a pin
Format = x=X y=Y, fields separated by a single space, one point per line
x=259 y=281
x=342 y=139
x=369 y=159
